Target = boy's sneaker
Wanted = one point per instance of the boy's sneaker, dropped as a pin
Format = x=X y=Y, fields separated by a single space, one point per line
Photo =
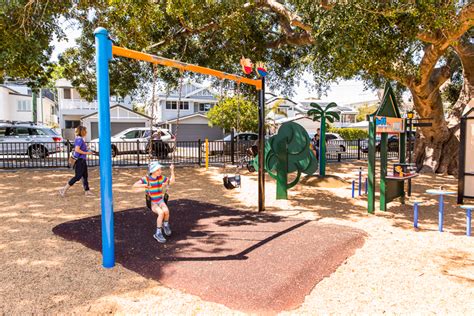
x=167 y=229
x=159 y=237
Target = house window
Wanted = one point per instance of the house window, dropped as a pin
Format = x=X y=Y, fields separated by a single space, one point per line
x=173 y=105
x=72 y=124
x=204 y=107
x=184 y=106
x=24 y=106
x=67 y=93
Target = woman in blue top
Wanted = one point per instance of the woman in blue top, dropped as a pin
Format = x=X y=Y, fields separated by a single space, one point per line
x=80 y=168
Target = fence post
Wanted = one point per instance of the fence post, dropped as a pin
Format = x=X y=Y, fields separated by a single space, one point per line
x=358 y=149
x=232 y=149
x=68 y=153
x=138 y=152
x=199 y=151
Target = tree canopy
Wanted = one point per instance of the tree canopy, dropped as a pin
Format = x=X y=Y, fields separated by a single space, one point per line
x=234 y=112
x=414 y=44
x=27 y=29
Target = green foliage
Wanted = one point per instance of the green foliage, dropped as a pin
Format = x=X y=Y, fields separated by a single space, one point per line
x=350 y=133
x=365 y=110
x=27 y=29
x=451 y=92
x=235 y=112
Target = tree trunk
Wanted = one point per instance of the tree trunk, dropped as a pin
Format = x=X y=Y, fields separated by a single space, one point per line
x=437 y=147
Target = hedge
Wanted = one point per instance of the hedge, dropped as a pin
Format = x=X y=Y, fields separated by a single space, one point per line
x=350 y=133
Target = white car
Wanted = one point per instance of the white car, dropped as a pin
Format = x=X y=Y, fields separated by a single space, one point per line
x=334 y=142
x=136 y=139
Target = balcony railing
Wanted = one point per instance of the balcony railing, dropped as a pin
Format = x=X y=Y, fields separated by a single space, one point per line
x=83 y=105
x=79 y=105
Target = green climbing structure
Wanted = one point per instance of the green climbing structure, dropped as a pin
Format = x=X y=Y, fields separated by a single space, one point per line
x=286 y=152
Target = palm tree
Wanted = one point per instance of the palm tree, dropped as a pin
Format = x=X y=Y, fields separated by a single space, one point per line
x=320 y=114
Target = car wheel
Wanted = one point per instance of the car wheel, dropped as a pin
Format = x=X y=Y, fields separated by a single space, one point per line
x=115 y=151
x=37 y=152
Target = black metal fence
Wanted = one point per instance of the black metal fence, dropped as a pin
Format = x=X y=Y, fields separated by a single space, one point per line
x=136 y=153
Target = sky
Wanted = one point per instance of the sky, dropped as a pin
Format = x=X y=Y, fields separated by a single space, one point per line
x=346 y=91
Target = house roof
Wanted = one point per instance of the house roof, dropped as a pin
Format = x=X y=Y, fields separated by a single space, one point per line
x=291 y=119
x=119 y=106
x=12 y=91
x=181 y=118
x=275 y=98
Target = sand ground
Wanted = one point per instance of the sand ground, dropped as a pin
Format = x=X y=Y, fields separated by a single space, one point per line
x=398 y=270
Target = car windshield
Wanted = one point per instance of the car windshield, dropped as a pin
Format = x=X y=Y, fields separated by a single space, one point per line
x=50 y=131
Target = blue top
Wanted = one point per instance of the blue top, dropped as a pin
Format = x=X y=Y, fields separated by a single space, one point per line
x=82 y=145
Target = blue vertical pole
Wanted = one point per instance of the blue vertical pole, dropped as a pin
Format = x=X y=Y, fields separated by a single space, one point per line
x=360 y=181
x=366 y=185
x=103 y=49
x=468 y=222
x=440 y=212
x=415 y=215
x=353 y=188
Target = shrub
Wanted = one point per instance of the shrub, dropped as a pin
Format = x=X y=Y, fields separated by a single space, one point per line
x=350 y=133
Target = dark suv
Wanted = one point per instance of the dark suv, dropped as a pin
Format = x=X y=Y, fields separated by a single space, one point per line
x=392 y=143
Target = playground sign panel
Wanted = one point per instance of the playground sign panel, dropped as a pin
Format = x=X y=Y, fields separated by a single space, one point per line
x=390 y=125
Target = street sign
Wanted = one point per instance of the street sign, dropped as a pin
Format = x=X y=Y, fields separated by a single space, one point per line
x=422 y=124
x=389 y=124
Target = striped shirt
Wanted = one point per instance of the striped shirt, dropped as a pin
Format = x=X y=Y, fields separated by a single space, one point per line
x=155 y=187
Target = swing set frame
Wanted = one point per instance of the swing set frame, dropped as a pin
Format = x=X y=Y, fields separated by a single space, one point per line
x=105 y=51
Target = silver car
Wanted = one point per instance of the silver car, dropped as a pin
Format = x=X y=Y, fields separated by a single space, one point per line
x=36 y=141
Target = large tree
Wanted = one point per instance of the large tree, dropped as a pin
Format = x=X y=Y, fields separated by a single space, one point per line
x=27 y=30
x=414 y=44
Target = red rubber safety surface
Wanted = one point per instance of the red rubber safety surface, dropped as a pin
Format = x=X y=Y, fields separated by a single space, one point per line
x=247 y=261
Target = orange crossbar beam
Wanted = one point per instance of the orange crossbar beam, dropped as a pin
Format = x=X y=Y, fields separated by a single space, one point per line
x=125 y=52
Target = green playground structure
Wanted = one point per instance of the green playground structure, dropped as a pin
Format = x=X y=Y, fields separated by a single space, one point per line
x=286 y=152
x=387 y=120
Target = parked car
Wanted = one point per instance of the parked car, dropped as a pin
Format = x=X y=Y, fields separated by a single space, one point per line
x=36 y=141
x=125 y=142
x=224 y=145
x=334 y=142
x=392 y=143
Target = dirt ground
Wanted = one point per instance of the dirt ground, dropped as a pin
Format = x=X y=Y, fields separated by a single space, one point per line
x=398 y=270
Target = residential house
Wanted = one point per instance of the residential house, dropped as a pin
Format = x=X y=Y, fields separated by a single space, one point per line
x=73 y=109
x=16 y=104
x=121 y=117
x=193 y=124
x=346 y=112
x=297 y=112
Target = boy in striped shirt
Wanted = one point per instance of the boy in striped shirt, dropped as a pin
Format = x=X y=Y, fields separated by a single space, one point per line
x=153 y=184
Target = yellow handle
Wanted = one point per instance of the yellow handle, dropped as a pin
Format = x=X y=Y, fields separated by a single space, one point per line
x=207 y=153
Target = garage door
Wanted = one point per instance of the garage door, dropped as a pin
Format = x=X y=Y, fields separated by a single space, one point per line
x=193 y=132
x=115 y=127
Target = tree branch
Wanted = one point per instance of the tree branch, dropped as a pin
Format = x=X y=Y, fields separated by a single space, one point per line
x=440 y=41
x=295 y=40
x=440 y=75
x=287 y=20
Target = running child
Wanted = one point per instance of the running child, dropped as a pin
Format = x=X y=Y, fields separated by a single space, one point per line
x=154 y=183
